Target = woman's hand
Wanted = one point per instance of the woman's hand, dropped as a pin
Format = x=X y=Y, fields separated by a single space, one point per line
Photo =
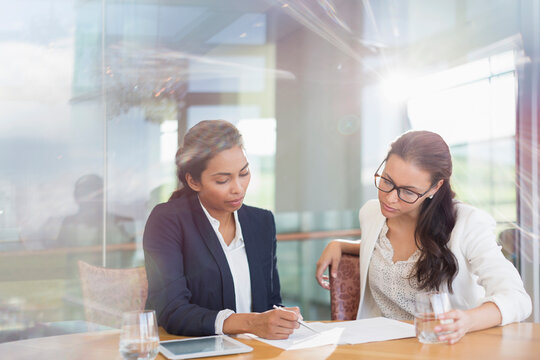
x=331 y=256
x=482 y=317
x=462 y=324
x=276 y=324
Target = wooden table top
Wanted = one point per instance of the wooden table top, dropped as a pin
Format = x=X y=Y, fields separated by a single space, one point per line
x=514 y=341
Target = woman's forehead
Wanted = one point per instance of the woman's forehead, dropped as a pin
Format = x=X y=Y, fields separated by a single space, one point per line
x=406 y=173
x=230 y=160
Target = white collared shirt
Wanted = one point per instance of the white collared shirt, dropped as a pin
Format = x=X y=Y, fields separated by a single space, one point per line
x=236 y=256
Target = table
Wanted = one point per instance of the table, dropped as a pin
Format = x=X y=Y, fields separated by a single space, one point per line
x=514 y=341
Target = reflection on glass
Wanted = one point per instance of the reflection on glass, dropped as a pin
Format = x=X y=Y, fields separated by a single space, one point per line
x=319 y=88
x=85 y=227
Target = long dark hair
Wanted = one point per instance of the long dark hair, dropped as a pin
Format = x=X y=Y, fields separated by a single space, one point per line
x=201 y=143
x=437 y=264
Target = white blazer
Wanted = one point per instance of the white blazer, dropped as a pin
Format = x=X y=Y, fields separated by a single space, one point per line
x=484 y=274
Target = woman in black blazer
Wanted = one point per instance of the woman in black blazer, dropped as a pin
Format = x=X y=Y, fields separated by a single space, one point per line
x=210 y=260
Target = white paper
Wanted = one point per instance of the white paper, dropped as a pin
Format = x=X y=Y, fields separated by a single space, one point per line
x=374 y=329
x=345 y=332
x=303 y=338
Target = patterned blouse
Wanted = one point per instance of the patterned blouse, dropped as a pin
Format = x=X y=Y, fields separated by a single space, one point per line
x=389 y=282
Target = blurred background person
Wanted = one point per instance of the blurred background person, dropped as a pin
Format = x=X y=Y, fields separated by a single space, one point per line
x=85 y=227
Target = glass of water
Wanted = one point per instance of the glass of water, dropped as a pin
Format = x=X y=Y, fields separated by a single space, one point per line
x=139 y=339
x=429 y=306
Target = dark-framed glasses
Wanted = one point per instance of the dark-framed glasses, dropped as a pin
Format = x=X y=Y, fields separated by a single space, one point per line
x=405 y=194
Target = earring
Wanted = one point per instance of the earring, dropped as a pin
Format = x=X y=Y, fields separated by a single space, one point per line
x=431 y=196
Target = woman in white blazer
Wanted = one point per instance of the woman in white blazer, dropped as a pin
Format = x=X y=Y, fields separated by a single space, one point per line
x=417 y=238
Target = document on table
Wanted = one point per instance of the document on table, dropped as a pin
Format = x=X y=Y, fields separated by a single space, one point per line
x=345 y=332
x=303 y=338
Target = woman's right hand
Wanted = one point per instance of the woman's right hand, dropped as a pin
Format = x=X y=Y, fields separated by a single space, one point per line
x=276 y=324
x=330 y=256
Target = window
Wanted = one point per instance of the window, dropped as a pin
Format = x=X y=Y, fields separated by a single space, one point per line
x=473 y=108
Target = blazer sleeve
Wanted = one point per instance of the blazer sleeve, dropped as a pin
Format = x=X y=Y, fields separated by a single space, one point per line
x=168 y=293
x=498 y=276
x=275 y=290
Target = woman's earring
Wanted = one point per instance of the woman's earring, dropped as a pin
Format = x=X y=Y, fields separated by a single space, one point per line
x=431 y=196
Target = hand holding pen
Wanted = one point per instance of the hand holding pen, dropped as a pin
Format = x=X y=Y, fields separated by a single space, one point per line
x=274 y=324
x=300 y=320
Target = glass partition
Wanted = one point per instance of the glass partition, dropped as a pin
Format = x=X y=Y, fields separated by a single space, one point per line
x=96 y=95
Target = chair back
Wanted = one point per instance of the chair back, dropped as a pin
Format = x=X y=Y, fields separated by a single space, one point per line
x=345 y=289
x=107 y=293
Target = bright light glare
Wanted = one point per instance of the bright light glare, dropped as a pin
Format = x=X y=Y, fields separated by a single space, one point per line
x=259 y=135
x=468 y=103
x=398 y=87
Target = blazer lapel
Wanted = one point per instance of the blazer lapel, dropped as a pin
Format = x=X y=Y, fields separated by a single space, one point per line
x=258 y=290
x=212 y=242
x=369 y=237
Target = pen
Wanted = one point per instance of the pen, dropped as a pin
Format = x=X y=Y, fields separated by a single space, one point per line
x=300 y=322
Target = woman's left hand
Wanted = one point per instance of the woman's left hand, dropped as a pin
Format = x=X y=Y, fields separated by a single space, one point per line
x=462 y=323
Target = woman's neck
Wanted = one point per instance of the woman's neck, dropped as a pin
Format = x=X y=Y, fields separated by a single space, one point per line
x=224 y=217
x=227 y=225
x=405 y=222
x=221 y=216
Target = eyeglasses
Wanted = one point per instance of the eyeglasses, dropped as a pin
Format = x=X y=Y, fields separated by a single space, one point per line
x=387 y=186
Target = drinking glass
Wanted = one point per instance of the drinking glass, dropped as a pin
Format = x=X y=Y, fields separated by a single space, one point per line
x=139 y=339
x=428 y=308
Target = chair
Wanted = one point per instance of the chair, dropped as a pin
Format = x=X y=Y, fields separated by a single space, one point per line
x=345 y=289
x=509 y=240
x=107 y=293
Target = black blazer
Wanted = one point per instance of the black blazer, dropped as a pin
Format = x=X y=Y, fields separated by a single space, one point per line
x=189 y=280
